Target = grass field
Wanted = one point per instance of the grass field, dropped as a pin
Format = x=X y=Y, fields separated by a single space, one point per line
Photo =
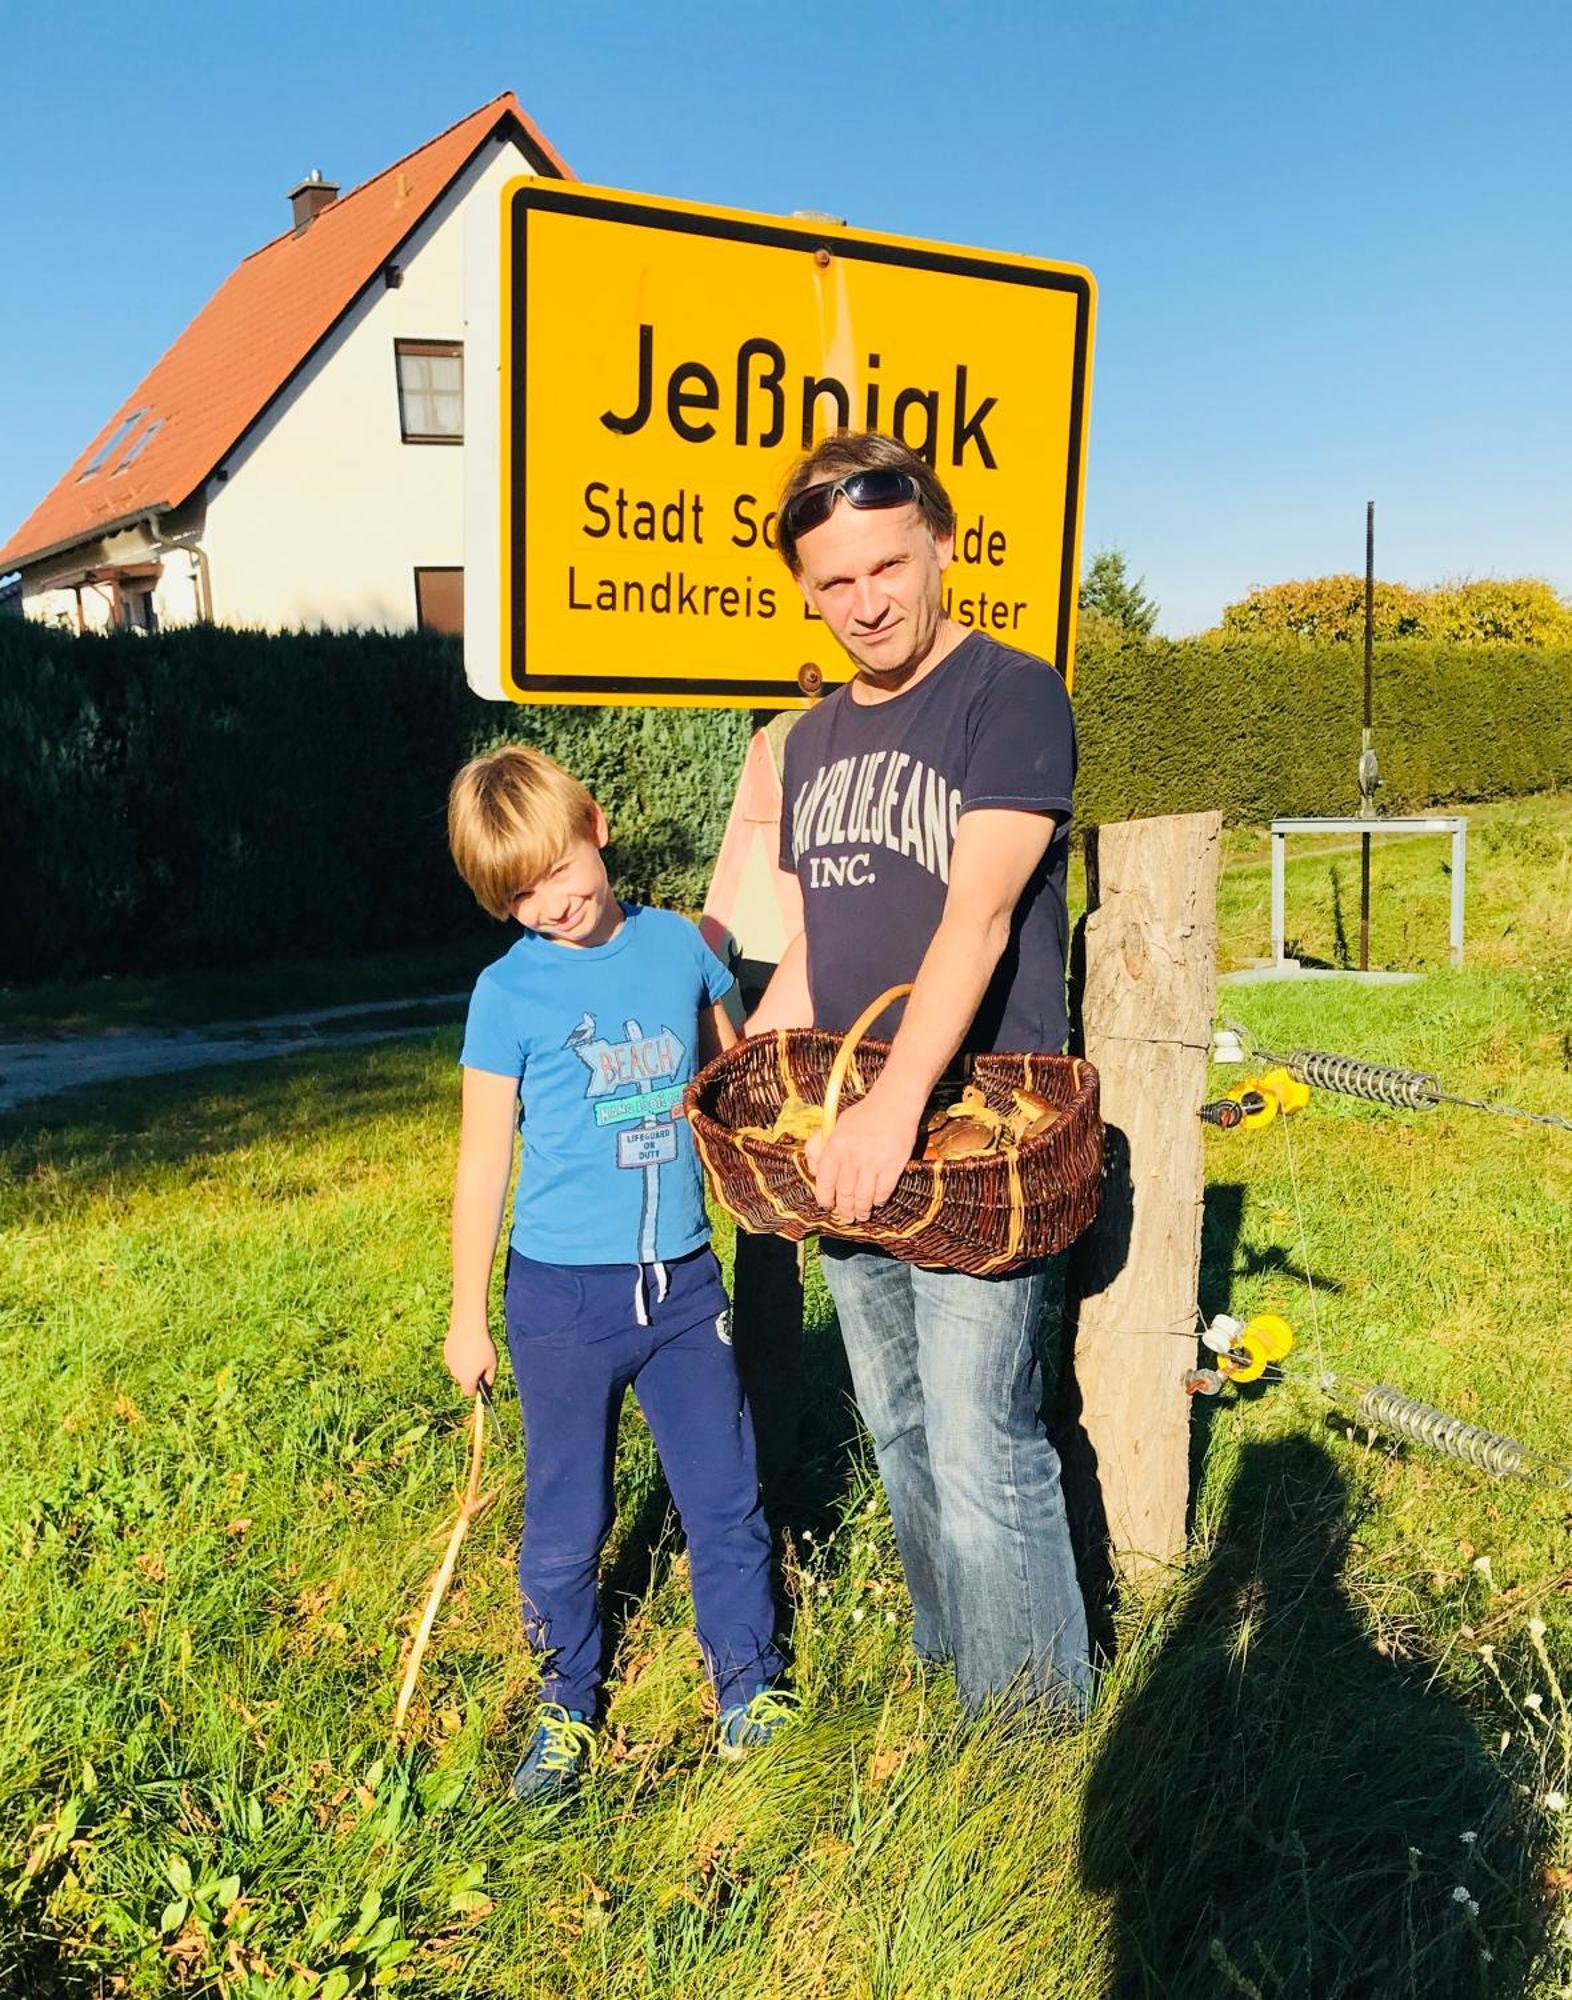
x=1330 y=1758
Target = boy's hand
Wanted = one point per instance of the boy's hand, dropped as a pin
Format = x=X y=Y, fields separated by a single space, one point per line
x=470 y=1353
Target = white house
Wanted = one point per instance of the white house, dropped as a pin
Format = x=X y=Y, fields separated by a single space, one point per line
x=296 y=458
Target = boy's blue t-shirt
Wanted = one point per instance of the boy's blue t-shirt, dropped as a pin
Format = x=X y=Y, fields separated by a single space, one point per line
x=602 y=1039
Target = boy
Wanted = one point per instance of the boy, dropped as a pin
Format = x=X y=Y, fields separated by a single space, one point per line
x=596 y=1018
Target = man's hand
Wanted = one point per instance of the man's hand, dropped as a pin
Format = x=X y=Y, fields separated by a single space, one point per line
x=855 y=1169
x=470 y=1354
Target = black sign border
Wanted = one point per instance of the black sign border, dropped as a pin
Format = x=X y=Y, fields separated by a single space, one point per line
x=776 y=236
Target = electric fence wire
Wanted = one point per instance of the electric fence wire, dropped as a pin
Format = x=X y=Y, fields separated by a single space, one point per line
x=1381 y=1083
x=1378 y=1404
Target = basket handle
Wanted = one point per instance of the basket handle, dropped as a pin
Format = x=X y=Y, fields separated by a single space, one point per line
x=848 y=1048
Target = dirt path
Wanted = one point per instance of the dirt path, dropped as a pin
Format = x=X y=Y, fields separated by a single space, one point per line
x=42 y=1066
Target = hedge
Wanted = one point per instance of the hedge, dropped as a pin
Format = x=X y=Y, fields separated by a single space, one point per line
x=208 y=797
x=1273 y=727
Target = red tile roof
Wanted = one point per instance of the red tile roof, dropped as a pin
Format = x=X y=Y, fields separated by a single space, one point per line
x=251 y=337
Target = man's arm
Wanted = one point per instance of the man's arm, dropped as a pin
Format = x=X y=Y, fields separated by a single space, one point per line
x=992 y=861
x=786 y=1002
x=480 y=1188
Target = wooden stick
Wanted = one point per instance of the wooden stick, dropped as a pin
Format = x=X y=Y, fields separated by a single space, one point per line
x=471 y=1507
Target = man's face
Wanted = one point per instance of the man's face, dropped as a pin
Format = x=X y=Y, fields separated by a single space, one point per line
x=876 y=578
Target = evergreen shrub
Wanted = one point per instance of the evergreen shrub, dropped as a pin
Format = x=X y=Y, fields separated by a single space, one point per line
x=208 y=798
x=205 y=797
x=1265 y=727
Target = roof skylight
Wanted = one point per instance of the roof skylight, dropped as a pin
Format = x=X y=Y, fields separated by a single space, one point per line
x=139 y=447
x=117 y=436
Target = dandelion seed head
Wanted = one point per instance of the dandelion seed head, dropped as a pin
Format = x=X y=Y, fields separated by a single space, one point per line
x=1534 y=1700
x=1473 y=1907
x=1460 y=1894
x=858 y=1615
x=1468 y=1838
x=1555 y=1802
x=1482 y=1564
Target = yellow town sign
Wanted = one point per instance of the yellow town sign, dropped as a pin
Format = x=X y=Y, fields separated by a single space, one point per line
x=663 y=365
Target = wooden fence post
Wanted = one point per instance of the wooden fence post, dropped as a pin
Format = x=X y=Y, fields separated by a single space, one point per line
x=1147 y=995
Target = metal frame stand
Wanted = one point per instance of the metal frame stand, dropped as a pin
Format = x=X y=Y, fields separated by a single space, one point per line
x=1449 y=823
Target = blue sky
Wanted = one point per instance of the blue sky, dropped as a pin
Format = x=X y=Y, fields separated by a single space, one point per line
x=1331 y=240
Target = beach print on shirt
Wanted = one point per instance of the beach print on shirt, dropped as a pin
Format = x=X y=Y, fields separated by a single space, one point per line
x=636 y=1097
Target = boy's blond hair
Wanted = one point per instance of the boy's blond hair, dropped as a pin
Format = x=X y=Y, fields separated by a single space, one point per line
x=512 y=815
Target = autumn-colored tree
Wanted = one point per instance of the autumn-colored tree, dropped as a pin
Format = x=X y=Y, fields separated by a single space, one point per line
x=1523 y=611
x=1326 y=607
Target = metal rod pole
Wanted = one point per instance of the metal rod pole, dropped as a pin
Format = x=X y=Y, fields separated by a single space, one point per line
x=1366 y=805
x=1369 y=602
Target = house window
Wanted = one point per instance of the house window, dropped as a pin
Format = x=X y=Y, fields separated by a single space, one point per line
x=439 y=600
x=430 y=391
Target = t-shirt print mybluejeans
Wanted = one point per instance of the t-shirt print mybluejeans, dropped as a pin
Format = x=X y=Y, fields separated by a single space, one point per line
x=874 y=793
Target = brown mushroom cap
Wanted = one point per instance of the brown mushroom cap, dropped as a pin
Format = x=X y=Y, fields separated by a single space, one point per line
x=961 y=1138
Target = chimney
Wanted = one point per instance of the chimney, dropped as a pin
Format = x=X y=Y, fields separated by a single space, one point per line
x=309 y=197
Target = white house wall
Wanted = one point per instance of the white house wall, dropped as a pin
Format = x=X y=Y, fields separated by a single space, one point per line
x=326 y=513
x=58 y=607
x=176 y=594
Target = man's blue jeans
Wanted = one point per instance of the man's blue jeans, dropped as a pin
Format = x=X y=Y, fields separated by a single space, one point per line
x=948 y=1381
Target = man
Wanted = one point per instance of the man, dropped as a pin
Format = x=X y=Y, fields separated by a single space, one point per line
x=925 y=811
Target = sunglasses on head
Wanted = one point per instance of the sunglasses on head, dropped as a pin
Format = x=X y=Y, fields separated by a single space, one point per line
x=813 y=506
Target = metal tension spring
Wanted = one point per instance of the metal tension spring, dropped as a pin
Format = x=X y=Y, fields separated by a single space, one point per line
x=1388 y=1409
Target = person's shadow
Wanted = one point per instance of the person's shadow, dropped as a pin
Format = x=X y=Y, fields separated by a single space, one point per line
x=1280 y=1811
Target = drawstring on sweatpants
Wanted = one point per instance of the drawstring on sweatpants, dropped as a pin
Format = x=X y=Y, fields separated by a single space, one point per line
x=641 y=1305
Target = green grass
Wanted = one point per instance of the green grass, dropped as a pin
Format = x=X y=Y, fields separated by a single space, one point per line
x=232 y=1457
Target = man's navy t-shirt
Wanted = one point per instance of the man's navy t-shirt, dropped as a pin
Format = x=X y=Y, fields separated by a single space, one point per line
x=873 y=795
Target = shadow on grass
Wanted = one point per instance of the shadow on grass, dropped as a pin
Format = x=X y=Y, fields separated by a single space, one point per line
x=35 y=1963
x=1279 y=1810
x=1342 y=956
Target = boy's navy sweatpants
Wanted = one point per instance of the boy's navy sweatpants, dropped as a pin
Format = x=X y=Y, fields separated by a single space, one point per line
x=579 y=1335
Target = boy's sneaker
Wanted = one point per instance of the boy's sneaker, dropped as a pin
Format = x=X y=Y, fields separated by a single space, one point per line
x=748 y=1725
x=560 y=1750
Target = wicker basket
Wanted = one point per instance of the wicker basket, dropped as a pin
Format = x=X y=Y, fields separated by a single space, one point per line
x=986 y=1215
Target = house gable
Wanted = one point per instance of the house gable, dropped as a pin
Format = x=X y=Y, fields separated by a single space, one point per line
x=253 y=337
x=323 y=514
